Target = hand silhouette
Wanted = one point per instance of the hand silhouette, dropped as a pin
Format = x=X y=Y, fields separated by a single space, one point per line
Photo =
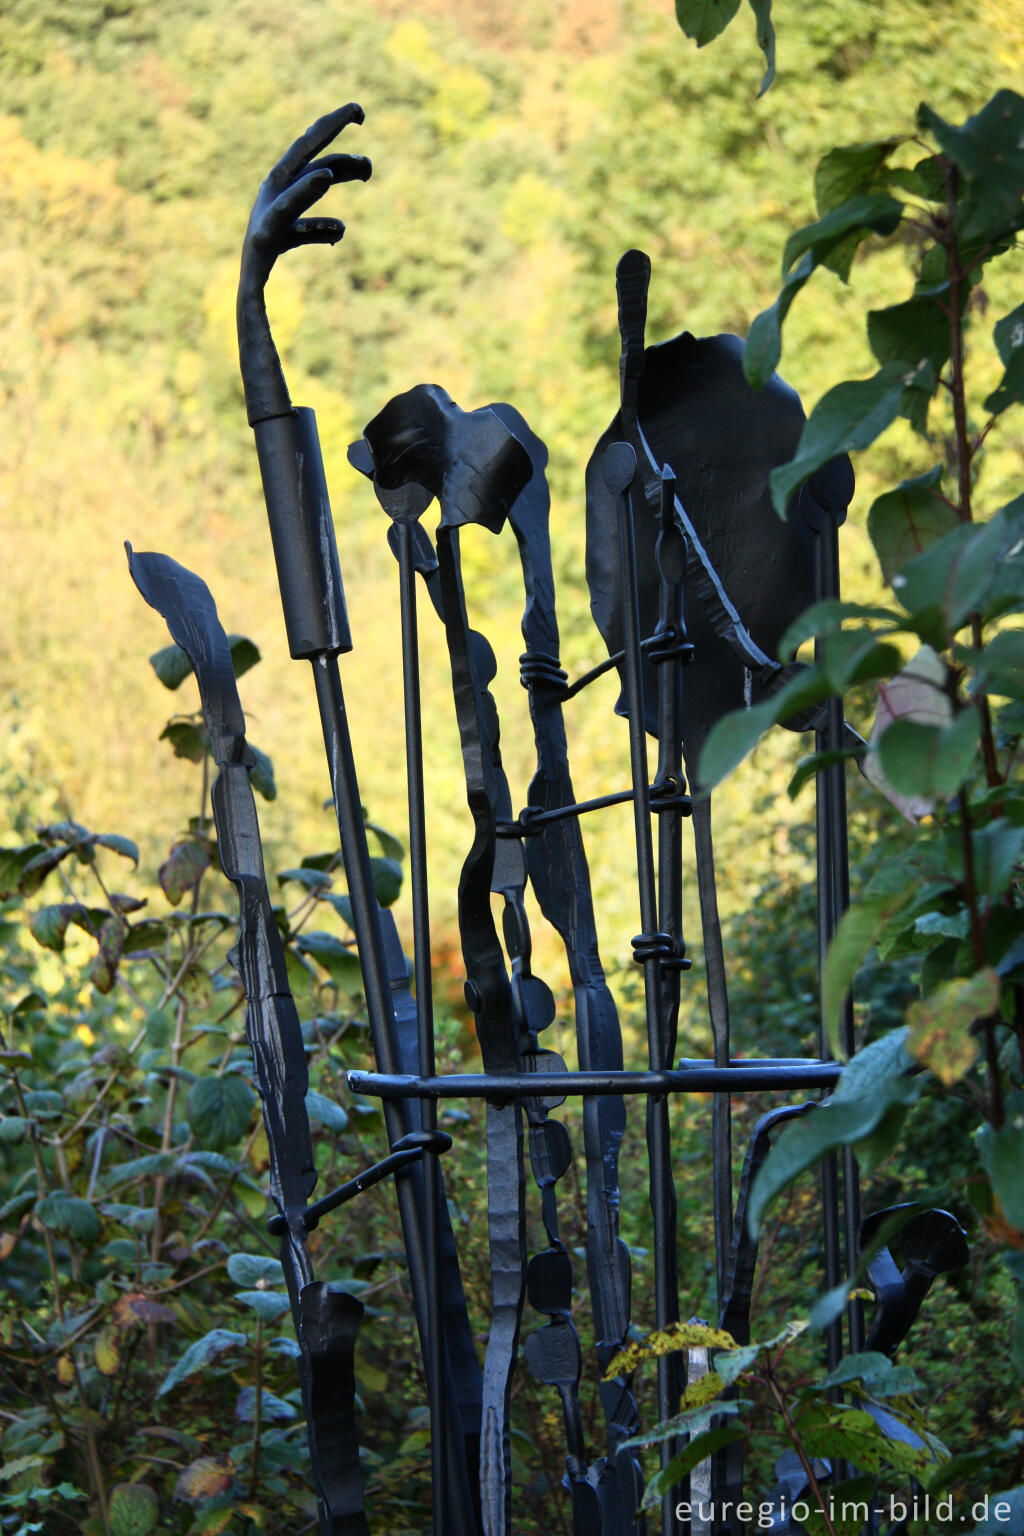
x=278 y=224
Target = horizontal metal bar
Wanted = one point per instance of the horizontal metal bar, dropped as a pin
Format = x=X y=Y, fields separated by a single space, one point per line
x=409 y=1149
x=532 y=818
x=764 y=1076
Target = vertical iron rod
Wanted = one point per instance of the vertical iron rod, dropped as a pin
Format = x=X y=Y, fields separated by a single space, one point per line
x=662 y=1193
x=836 y=835
x=366 y=922
x=833 y=899
x=424 y=1018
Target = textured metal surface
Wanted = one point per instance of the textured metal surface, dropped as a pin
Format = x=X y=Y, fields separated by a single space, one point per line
x=326 y=1318
x=686 y=560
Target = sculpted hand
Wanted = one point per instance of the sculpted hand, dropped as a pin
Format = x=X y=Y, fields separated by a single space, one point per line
x=277 y=224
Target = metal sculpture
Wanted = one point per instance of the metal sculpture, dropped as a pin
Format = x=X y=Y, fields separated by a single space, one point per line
x=698 y=539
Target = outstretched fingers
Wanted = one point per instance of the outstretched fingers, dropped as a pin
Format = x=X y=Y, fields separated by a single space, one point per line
x=293 y=202
x=344 y=167
x=314 y=232
x=316 y=138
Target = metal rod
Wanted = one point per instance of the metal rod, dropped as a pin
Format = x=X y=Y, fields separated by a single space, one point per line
x=718 y=1009
x=277 y=1226
x=366 y=922
x=835 y=832
x=830 y=806
x=532 y=818
x=614 y=660
x=740 y=1078
x=662 y=1191
x=424 y=1019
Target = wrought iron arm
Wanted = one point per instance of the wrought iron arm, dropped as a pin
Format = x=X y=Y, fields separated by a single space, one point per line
x=557 y=864
x=316 y=622
x=326 y=1318
x=476 y=469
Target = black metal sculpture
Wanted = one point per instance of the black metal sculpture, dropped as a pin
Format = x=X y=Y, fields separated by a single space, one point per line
x=698 y=537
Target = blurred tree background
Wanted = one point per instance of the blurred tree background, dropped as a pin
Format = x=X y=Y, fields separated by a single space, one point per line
x=516 y=156
x=517 y=153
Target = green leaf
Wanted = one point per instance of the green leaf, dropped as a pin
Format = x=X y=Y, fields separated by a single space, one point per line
x=700 y=1446
x=940 y=1024
x=910 y=332
x=835 y=1430
x=854 y=656
x=826 y=618
x=850 y=169
x=70 y=1216
x=875 y=1372
x=730 y=739
x=151 y=1165
x=862 y=215
x=846 y=418
x=118 y=844
x=873 y=1082
x=734 y=735
x=272 y=1409
x=188 y=739
x=343 y=906
x=926 y=760
x=251 y=1269
x=219 y=1110
x=1002 y=1157
x=323 y=1111
x=387 y=880
x=684 y=1423
x=989 y=152
x=244 y=654
x=808 y=767
x=12 y=864
x=952 y=577
x=112 y=936
x=200 y=1354
x=905 y=522
x=704 y=20
x=997 y=852
x=14 y=1128
x=999 y=668
x=338 y=959
x=261 y=774
x=857 y=933
x=134 y=1510
x=184 y=866
x=762 y=10
x=763 y=346
x=309 y=879
x=44 y=1104
x=268 y=1305
x=171 y=666
x=1009 y=339
x=388 y=842
x=49 y=925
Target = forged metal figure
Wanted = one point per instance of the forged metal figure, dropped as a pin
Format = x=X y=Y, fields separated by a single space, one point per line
x=686 y=562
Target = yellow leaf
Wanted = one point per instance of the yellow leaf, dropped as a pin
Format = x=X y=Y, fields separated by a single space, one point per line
x=65 y=1370
x=666 y=1342
x=108 y=1356
x=940 y=1024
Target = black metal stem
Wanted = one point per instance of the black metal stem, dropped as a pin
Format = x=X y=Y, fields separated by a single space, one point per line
x=499 y=1086
x=832 y=831
x=424 y=1017
x=662 y=1191
x=833 y=899
x=532 y=819
x=366 y=922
